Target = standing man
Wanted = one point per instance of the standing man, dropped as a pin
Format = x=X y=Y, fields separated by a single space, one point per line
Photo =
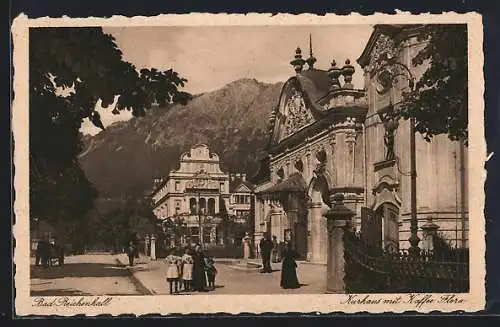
x=131 y=250
x=266 y=246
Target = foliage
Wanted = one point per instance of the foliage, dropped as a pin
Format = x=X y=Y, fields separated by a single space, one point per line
x=175 y=227
x=117 y=227
x=71 y=69
x=439 y=102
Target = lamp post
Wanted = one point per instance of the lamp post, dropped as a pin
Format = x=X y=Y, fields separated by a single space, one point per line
x=388 y=74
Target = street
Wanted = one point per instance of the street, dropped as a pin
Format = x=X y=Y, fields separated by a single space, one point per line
x=91 y=274
x=231 y=281
x=106 y=274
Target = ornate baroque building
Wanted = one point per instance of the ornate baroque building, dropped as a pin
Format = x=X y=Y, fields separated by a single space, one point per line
x=199 y=191
x=326 y=137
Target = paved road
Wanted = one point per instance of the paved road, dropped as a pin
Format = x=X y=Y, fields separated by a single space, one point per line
x=232 y=281
x=94 y=274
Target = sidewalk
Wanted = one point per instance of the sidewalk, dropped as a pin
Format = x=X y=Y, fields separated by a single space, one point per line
x=151 y=274
x=88 y=274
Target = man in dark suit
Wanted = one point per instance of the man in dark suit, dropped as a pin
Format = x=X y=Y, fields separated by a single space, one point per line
x=266 y=246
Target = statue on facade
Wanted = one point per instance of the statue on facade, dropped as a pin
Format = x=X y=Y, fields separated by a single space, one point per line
x=391 y=123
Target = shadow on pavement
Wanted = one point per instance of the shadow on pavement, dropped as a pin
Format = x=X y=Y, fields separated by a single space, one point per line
x=78 y=270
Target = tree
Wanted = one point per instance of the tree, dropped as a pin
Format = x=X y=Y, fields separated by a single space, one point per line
x=175 y=228
x=114 y=229
x=87 y=64
x=439 y=102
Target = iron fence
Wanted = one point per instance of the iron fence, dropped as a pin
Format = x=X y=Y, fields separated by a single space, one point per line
x=374 y=270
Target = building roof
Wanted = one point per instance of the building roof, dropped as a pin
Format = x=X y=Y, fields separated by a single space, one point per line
x=315 y=82
x=294 y=183
x=234 y=184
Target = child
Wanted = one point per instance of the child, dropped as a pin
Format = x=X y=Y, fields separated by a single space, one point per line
x=187 y=270
x=172 y=272
x=211 y=273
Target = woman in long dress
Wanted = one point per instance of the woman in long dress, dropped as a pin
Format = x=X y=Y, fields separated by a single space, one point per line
x=199 y=275
x=288 y=269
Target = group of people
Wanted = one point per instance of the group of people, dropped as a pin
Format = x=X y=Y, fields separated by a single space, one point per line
x=288 y=256
x=192 y=271
x=46 y=251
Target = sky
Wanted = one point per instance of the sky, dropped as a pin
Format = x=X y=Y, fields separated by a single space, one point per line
x=211 y=57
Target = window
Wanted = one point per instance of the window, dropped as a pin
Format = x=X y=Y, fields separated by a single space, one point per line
x=177 y=186
x=222 y=187
x=193 y=206
x=242 y=199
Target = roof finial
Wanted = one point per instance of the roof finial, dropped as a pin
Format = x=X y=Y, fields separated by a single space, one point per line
x=311 y=60
x=297 y=62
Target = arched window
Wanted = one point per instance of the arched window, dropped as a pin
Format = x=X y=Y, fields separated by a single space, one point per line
x=203 y=205
x=211 y=206
x=387 y=216
x=192 y=206
x=299 y=166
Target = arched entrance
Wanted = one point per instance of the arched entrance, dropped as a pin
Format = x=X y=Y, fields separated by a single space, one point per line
x=317 y=225
x=288 y=215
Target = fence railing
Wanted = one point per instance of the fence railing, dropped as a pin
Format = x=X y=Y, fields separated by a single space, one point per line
x=373 y=270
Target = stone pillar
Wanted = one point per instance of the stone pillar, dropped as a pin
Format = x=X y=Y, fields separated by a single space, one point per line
x=307 y=165
x=338 y=218
x=153 y=248
x=331 y=159
x=316 y=217
x=292 y=217
x=246 y=247
x=350 y=140
x=430 y=232
x=309 y=230
x=146 y=245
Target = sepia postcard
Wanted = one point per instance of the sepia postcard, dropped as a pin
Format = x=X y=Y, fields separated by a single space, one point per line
x=216 y=163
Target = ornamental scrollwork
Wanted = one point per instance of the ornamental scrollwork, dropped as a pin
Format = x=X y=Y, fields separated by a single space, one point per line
x=297 y=116
x=384 y=49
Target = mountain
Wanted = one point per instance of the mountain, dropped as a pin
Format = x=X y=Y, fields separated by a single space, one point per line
x=124 y=159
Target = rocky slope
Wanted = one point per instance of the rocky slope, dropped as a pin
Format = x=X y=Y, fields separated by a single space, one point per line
x=123 y=160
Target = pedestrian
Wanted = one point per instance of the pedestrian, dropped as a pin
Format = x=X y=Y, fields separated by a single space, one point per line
x=172 y=262
x=211 y=272
x=187 y=269
x=199 y=274
x=42 y=253
x=266 y=246
x=131 y=253
x=289 y=278
x=274 y=252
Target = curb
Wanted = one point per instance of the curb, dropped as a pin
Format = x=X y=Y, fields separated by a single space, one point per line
x=143 y=290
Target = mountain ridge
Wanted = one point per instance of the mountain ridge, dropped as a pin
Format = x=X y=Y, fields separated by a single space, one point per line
x=123 y=159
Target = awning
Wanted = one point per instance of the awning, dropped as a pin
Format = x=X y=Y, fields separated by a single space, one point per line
x=294 y=183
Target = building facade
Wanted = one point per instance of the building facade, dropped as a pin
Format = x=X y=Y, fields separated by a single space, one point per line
x=326 y=137
x=199 y=193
